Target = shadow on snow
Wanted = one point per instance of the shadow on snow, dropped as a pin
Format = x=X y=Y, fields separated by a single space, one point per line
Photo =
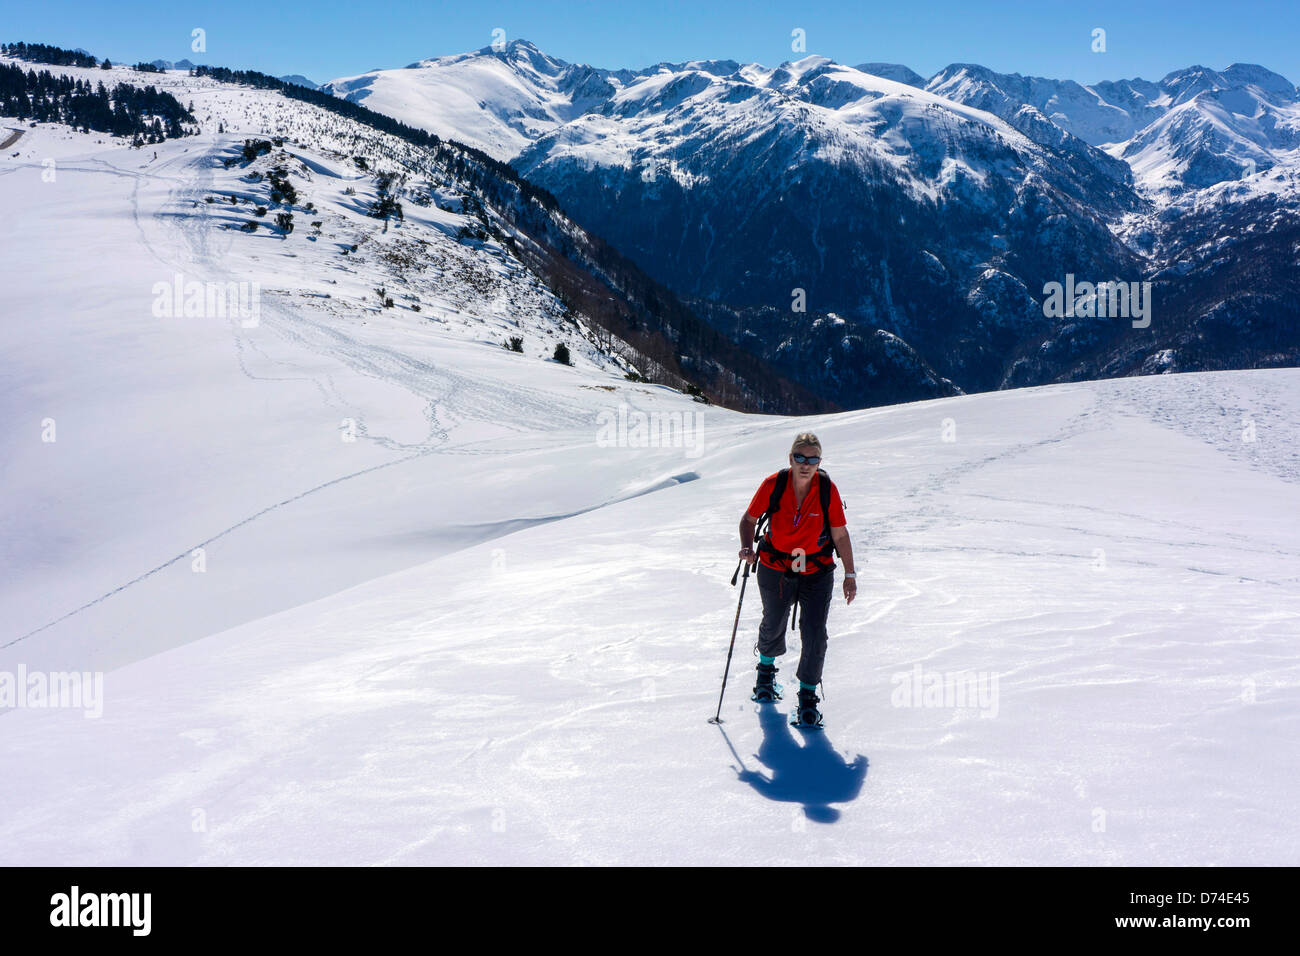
x=811 y=773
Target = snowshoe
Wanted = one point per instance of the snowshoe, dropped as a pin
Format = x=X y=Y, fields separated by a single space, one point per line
x=806 y=716
x=765 y=687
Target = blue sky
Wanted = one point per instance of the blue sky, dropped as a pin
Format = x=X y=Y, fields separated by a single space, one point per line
x=327 y=39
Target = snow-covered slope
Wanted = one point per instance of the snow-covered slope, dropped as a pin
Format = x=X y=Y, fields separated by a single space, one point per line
x=1109 y=565
x=180 y=473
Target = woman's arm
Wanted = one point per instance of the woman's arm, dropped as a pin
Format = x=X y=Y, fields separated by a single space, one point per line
x=747 y=525
x=844 y=547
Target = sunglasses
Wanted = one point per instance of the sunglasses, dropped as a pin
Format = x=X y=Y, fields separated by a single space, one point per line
x=806 y=459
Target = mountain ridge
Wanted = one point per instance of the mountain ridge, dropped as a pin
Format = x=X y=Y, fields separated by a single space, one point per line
x=958 y=198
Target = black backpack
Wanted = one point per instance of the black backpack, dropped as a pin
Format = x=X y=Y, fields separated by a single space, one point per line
x=823 y=558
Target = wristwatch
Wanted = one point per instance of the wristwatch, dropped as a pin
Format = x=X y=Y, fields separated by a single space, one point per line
x=851 y=574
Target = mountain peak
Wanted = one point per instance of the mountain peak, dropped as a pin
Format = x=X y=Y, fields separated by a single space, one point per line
x=515 y=51
x=1189 y=73
x=795 y=71
x=805 y=63
x=513 y=47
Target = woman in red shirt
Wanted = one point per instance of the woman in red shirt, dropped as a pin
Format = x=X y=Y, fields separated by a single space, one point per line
x=797 y=566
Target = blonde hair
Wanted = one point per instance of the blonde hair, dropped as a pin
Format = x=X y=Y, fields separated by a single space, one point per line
x=806 y=438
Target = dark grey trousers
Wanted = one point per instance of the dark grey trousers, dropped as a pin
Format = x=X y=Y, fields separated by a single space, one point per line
x=813 y=593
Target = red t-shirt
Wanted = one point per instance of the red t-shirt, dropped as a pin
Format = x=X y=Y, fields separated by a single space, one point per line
x=796 y=524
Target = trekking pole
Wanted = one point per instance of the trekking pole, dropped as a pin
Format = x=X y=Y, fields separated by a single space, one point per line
x=717 y=718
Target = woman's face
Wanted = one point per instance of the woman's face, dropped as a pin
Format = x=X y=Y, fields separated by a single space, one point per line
x=806 y=470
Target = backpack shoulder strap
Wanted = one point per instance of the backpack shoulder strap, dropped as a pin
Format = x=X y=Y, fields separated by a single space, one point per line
x=778 y=490
x=824 y=493
x=773 y=505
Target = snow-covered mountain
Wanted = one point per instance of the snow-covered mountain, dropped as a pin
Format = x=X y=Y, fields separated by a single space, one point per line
x=933 y=214
x=883 y=203
x=499 y=101
x=504 y=99
x=1193 y=129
